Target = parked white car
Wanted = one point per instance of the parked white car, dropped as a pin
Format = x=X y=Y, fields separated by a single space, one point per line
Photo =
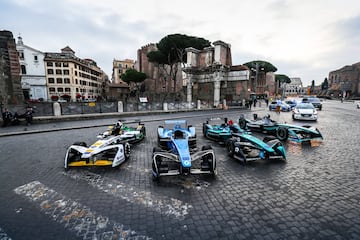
x=305 y=111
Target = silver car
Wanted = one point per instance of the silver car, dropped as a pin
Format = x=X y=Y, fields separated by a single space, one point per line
x=305 y=111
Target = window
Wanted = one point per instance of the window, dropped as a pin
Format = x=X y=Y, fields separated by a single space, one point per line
x=58 y=64
x=23 y=69
x=35 y=58
x=50 y=71
x=21 y=55
x=52 y=90
x=49 y=64
x=60 y=89
x=51 y=80
x=59 y=80
x=58 y=71
x=75 y=73
x=65 y=64
x=67 y=90
x=66 y=72
x=67 y=80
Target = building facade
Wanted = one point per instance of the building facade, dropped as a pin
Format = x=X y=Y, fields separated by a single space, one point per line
x=212 y=78
x=71 y=78
x=345 y=82
x=10 y=81
x=295 y=87
x=158 y=83
x=33 y=80
x=120 y=67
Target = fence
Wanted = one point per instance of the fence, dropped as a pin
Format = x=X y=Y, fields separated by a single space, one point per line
x=75 y=108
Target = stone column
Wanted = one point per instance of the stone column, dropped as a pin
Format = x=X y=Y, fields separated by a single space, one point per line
x=120 y=106
x=217 y=83
x=189 y=90
x=57 y=109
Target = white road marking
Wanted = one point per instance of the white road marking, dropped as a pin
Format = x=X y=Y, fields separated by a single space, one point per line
x=163 y=205
x=73 y=215
x=3 y=235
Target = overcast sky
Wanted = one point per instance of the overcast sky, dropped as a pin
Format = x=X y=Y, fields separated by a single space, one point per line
x=305 y=39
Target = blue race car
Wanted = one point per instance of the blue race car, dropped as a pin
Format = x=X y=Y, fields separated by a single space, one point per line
x=177 y=153
x=282 y=131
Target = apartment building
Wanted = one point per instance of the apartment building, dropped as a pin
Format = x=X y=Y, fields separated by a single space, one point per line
x=71 y=78
x=33 y=80
x=120 y=67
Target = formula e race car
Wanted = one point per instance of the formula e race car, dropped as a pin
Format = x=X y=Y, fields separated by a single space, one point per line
x=125 y=132
x=177 y=153
x=111 y=151
x=220 y=129
x=246 y=147
x=282 y=131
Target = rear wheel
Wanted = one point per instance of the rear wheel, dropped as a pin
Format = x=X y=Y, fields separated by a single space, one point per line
x=282 y=133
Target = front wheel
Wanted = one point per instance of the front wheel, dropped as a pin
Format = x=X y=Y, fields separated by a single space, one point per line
x=242 y=123
x=282 y=133
x=230 y=148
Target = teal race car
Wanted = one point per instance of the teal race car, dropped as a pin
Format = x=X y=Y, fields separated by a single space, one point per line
x=240 y=144
x=220 y=129
x=282 y=131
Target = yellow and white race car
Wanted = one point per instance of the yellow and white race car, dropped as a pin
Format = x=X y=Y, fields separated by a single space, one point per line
x=111 y=149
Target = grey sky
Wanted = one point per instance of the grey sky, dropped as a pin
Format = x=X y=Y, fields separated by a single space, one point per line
x=305 y=39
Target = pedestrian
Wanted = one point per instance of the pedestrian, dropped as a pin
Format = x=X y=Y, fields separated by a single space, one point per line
x=278 y=106
x=7 y=117
x=255 y=101
x=250 y=103
x=267 y=102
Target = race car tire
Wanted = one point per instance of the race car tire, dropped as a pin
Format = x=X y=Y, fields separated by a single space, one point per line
x=127 y=150
x=214 y=170
x=282 y=133
x=144 y=131
x=242 y=123
x=205 y=129
x=83 y=144
x=206 y=147
x=157 y=149
x=230 y=148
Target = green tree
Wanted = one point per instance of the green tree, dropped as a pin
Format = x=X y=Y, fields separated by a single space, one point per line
x=171 y=51
x=279 y=79
x=133 y=76
x=259 y=66
x=312 y=88
x=325 y=84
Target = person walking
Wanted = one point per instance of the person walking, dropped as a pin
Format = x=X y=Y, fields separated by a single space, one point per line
x=250 y=103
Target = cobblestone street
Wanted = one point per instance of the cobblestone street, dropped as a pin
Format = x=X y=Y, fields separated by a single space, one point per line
x=315 y=194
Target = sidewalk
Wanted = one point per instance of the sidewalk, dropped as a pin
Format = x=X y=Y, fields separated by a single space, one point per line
x=68 y=122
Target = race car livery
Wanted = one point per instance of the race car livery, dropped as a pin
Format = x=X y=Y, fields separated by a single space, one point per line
x=177 y=153
x=282 y=131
